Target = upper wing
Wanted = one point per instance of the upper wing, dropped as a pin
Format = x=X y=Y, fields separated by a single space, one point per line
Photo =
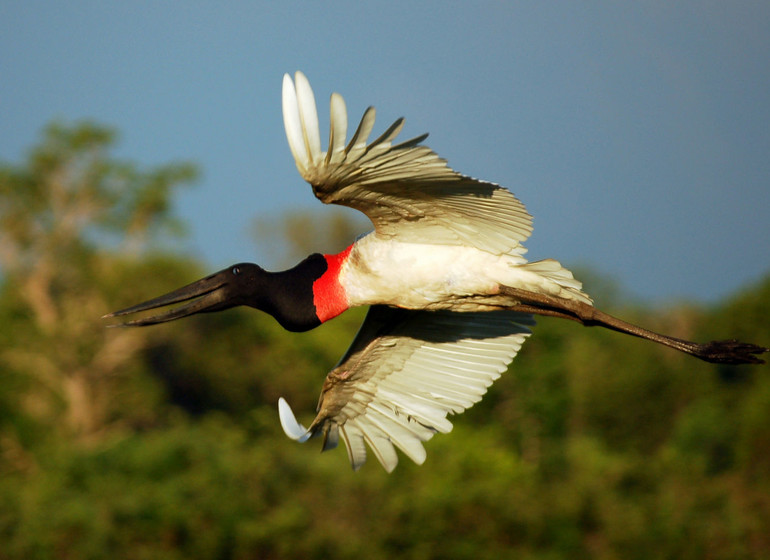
x=406 y=190
x=404 y=373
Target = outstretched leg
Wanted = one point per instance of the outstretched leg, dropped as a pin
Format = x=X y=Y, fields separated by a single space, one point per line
x=716 y=351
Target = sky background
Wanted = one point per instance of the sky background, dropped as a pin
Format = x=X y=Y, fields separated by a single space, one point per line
x=637 y=135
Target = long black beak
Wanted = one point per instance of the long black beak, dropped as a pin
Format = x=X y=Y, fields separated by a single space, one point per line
x=207 y=294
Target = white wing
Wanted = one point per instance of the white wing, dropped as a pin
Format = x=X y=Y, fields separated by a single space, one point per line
x=404 y=373
x=406 y=190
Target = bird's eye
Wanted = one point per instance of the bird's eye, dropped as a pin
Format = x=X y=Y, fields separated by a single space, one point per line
x=236 y=270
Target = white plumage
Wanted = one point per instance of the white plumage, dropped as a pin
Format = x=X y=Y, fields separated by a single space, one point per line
x=406 y=189
x=403 y=385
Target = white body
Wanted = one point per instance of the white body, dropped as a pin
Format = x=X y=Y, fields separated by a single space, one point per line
x=429 y=276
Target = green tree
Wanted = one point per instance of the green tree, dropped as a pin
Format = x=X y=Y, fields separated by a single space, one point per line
x=60 y=210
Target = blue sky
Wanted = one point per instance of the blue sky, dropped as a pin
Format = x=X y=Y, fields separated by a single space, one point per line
x=638 y=136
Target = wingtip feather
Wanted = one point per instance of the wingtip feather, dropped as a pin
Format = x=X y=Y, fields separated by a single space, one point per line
x=338 y=130
x=293 y=124
x=308 y=116
x=291 y=427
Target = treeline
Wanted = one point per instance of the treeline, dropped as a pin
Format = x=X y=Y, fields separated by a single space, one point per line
x=164 y=443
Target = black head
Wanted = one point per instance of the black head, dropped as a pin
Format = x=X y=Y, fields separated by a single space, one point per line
x=239 y=284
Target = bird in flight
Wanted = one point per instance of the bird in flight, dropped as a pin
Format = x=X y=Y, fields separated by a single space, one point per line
x=451 y=295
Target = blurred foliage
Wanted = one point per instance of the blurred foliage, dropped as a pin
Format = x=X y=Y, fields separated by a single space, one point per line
x=290 y=237
x=164 y=442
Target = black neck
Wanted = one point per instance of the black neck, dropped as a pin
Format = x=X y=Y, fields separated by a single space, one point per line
x=288 y=295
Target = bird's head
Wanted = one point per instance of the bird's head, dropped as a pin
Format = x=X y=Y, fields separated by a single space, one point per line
x=239 y=284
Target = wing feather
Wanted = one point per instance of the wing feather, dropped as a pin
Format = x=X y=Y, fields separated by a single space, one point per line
x=293 y=126
x=308 y=118
x=406 y=371
x=354 y=443
x=337 y=131
x=357 y=145
x=406 y=189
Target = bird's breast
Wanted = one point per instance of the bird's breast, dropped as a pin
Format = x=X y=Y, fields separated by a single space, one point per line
x=419 y=276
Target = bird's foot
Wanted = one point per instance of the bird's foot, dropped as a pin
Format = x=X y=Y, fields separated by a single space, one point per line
x=730 y=352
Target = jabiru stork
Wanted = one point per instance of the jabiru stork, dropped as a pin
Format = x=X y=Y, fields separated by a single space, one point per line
x=451 y=295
